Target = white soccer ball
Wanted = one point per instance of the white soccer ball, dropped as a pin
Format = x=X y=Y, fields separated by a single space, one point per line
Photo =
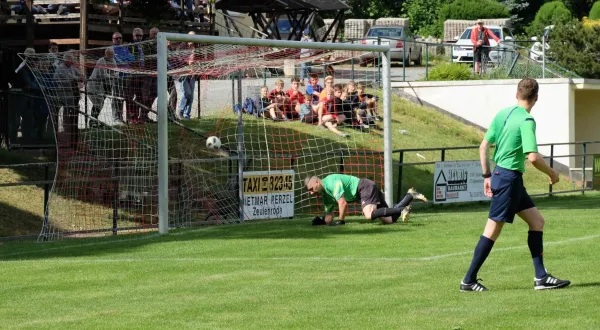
x=213 y=142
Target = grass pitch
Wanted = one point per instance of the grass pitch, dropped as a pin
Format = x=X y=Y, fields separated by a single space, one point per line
x=288 y=274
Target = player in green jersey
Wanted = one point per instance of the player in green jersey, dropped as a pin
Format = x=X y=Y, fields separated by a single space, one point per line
x=340 y=189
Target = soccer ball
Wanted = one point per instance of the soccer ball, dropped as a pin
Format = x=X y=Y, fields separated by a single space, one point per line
x=213 y=142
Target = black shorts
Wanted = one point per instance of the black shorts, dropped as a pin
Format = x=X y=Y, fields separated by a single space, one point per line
x=369 y=194
x=479 y=52
x=510 y=196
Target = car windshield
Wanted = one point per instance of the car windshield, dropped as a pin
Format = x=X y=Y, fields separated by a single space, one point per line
x=467 y=33
x=385 y=32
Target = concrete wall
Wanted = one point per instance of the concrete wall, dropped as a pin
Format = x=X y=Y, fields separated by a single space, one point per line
x=587 y=122
x=478 y=102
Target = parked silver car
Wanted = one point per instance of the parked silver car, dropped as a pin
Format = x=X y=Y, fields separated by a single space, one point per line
x=402 y=43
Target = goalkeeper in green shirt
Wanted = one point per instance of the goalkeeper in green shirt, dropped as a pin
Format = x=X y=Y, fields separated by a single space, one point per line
x=340 y=189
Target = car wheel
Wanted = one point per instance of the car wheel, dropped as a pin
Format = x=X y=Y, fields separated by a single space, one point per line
x=419 y=59
x=407 y=59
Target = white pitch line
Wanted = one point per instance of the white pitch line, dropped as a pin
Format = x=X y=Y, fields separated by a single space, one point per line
x=334 y=259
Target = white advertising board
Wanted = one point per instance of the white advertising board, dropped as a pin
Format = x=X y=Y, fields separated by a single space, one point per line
x=458 y=181
x=268 y=195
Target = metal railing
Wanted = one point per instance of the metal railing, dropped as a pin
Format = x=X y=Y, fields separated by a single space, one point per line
x=507 y=60
x=585 y=157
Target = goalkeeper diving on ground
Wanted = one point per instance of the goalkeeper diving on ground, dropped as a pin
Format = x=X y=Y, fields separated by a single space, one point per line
x=341 y=189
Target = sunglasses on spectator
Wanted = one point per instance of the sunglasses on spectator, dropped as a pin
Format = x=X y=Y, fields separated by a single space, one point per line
x=138 y=35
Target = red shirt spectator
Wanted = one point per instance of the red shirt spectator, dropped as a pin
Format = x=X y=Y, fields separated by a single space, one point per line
x=295 y=97
x=481 y=33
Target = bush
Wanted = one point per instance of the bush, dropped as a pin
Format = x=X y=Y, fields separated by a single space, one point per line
x=551 y=13
x=470 y=10
x=595 y=11
x=577 y=48
x=451 y=71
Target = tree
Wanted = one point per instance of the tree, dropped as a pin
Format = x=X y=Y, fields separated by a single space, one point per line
x=595 y=11
x=423 y=15
x=579 y=8
x=375 y=8
x=522 y=12
x=551 y=13
x=577 y=48
x=470 y=10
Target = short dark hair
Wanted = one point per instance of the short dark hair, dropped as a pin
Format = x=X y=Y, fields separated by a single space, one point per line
x=295 y=79
x=528 y=89
x=52 y=44
x=314 y=75
x=338 y=88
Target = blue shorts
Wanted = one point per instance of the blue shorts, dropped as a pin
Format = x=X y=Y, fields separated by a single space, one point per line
x=510 y=196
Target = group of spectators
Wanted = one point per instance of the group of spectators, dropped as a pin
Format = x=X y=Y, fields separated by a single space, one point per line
x=194 y=10
x=328 y=107
x=118 y=80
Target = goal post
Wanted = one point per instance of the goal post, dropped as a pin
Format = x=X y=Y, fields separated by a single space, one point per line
x=162 y=102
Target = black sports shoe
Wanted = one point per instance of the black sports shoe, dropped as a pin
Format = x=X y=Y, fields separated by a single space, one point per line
x=550 y=282
x=464 y=287
x=337 y=223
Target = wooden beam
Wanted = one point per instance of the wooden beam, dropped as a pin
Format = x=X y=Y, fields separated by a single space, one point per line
x=338 y=23
x=40 y=42
x=29 y=28
x=99 y=43
x=83 y=5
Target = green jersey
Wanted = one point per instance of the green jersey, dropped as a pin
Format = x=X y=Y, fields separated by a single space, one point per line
x=513 y=132
x=337 y=185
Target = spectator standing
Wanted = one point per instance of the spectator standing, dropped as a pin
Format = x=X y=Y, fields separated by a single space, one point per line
x=67 y=78
x=149 y=89
x=480 y=37
x=135 y=113
x=103 y=75
x=187 y=82
x=305 y=53
x=122 y=59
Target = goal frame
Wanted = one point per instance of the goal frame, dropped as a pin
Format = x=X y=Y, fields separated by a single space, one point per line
x=162 y=102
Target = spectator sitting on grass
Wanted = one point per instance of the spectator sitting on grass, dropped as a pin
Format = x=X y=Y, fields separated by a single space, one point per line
x=328 y=114
x=296 y=98
x=279 y=97
x=368 y=102
x=314 y=89
x=350 y=97
x=307 y=113
x=263 y=104
x=328 y=86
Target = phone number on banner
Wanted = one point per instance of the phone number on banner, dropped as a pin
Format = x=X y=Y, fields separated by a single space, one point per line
x=268 y=182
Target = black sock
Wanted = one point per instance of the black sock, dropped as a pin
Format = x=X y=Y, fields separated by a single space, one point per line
x=385 y=212
x=482 y=250
x=536 y=247
x=406 y=200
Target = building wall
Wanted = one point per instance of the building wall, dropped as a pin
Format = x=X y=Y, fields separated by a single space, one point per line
x=587 y=122
x=479 y=101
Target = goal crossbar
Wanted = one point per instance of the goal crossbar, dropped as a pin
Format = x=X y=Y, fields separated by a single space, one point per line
x=162 y=101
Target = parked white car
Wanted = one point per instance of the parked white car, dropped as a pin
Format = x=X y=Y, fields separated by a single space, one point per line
x=536 y=52
x=398 y=37
x=462 y=52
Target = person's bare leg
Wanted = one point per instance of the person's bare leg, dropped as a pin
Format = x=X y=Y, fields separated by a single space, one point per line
x=333 y=128
x=320 y=113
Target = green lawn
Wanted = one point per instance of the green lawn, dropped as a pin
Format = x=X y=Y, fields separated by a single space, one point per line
x=22 y=211
x=289 y=274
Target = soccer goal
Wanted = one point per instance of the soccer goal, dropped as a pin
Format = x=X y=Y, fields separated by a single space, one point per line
x=193 y=130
